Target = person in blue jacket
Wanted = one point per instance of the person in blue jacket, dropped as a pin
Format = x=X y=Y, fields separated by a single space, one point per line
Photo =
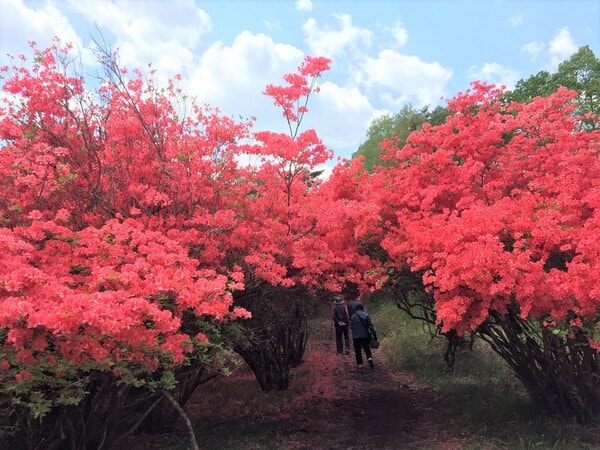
x=362 y=332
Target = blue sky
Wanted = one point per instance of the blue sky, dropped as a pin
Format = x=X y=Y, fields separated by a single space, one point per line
x=385 y=54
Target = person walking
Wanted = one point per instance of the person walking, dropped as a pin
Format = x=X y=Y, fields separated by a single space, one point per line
x=351 y=298
x=341 y=323
x=362 y=332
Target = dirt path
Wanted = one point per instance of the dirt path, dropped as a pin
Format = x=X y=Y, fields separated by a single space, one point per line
x=374 y=409
x=331 y=405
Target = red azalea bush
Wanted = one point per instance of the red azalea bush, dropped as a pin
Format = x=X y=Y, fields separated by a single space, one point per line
x=113 y=208
x=131 y=232
x=133 y=238
x=498 y=209
x=127 y=228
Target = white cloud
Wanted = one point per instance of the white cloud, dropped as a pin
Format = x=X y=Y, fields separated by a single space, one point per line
x=562 y=46
x=162 y=33
x=331 y=41
x=399 y=33
x=20 y=24
x=234 y=77
x=515 y=20
x=272 y=25
x=304 y=5
x=534 y=48
x=494 y=73
x=181 y=21
x=399 y=79
x=340 y=115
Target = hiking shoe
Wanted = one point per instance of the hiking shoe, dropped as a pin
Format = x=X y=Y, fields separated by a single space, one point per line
x=371 y=364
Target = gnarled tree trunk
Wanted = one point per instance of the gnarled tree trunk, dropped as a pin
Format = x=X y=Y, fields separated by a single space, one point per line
x=560 y=371
x=410 y=296
x=275 y=338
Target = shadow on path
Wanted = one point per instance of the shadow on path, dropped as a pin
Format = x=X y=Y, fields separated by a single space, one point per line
x=330 y=405
x=375 y=409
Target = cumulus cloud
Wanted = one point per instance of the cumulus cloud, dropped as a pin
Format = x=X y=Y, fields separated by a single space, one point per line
x=494 y=73
x=399 y=79
x=304 y=5
x=162 y=33
x=234 y=76
x=399 y=33
x=20 y=24
x=341 y=115
x=562 y=46
x=533 y=48
x=331 y=41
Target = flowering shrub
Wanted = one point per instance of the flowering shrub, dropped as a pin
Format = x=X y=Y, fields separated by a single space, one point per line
x=126 y=228
x=498 y=208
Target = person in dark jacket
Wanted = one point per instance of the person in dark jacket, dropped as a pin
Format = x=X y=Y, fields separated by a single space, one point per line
x=362 y=331
x=351 y=297
x=341 y=323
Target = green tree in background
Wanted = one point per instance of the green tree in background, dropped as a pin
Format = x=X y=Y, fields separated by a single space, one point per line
x=581 y=73
x=401 y=124
x=540 y=84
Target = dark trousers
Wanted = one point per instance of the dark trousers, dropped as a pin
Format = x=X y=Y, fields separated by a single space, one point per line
x=341 y=332
x=361 y=344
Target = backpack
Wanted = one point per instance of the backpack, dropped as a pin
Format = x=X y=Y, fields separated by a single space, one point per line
x=339 y=313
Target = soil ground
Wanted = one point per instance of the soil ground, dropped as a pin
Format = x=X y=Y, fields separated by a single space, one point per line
x=374 y=409
x=331 y=405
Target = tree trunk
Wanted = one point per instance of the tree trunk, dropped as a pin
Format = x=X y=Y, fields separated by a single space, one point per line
x=559 y=371
x=109 y=412
x=275 y=338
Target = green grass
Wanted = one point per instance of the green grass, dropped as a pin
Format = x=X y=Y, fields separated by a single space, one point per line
x=240 y=435
x=484 y=402
x=487 y=402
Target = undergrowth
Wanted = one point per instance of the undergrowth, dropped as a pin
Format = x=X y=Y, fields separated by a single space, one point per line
x=484 y=403
x=488 y=403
